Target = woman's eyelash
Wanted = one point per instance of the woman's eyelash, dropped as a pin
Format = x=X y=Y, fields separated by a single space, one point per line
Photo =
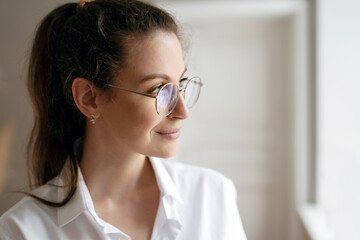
x=183 y=81
x=157 y=88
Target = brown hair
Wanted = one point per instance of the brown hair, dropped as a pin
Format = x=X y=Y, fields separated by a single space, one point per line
x=90 y=42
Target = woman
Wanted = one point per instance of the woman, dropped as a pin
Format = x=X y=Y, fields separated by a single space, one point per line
x=110 y=92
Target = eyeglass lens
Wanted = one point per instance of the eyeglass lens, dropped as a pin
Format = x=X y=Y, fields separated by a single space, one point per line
x=167 y=99
x=192 y=91
x=169 y=94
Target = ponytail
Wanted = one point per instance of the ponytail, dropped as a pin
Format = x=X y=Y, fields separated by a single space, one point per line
x=57 y=123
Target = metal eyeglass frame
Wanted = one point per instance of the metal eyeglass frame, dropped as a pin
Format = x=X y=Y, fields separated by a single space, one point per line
x=157 y=94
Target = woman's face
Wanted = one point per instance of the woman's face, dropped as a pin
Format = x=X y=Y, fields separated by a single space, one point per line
x=130 y=121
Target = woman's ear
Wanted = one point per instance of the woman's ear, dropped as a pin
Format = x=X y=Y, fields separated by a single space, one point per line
x=86 y=97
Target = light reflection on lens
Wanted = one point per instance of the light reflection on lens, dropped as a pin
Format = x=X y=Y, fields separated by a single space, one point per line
x=167 y=99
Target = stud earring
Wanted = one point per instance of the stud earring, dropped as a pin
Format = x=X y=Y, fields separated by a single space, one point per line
x=92 y=119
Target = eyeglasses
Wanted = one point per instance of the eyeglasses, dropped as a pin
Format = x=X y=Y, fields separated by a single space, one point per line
x=168 y=95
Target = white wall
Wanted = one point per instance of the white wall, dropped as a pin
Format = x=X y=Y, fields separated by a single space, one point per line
x=339 y=115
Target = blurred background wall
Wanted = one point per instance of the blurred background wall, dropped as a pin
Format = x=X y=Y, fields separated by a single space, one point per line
x=258 y=116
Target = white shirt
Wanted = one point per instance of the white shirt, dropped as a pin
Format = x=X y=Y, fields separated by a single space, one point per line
x=196 y=204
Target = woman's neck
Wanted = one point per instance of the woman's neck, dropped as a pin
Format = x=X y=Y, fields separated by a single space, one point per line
x=123 y=188
x=115 y=173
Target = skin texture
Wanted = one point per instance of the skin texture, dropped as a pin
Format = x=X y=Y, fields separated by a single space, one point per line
x=115 y=167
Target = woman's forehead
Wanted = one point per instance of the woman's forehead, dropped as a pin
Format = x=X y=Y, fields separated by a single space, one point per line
x=160 y=57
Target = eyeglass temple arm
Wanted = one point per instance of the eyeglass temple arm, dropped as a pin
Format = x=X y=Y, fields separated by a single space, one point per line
x=129 y=90
x=200 y=83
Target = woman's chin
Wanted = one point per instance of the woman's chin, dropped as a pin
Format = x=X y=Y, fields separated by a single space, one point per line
x=167 y=152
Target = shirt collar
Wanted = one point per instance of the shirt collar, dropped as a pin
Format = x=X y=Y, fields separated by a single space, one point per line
x=168 y=222
x=79 y=202
x=165 y=182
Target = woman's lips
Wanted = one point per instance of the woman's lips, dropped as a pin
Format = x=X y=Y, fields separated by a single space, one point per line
x=171 y=134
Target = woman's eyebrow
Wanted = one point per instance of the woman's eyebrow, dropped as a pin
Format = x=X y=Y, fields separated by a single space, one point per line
x=159 y=75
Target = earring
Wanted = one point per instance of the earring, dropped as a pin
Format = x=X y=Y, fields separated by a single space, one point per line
x=92 y=119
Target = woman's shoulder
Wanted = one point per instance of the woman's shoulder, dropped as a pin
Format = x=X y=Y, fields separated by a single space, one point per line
x=21 y=208
x=27 y=212
x=20 y=213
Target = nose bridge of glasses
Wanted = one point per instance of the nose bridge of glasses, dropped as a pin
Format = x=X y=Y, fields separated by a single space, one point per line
x=181 y=108
x=182 y=92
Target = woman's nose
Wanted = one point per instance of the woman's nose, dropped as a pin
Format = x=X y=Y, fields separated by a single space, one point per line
x=181 y=111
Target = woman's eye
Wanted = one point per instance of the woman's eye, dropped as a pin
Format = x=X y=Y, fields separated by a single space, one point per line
x=156 y=89
x=183 y=82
